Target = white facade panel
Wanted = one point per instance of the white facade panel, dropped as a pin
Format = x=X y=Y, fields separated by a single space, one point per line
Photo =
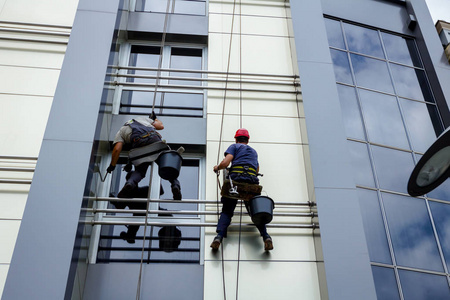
x=12 y=201
x=251 y=25
x=31 y=58
x=8 y=236
x=28 y=81
x=274 y=8
x=3 y=272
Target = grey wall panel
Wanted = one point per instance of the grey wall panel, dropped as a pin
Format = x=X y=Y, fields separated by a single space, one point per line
x=159 y=281
x=154 y=22
x=378 y=13
x=176 y=130
x=42 y=257
x=346 y=260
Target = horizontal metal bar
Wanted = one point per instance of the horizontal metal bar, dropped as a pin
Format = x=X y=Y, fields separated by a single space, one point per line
x=146 y=249
x=161 y=224
x=18 y=157
x=163 y=107
x=36 y=24
x=161 y=114
x=309 y=203
x=33 y=40
x=153 y=238
x=153 y=261
x=186 y=212
x=17 y=169
x=34 y=31
x=206 y=79
x=174 y=86
x=203 y=72
x=15 y=181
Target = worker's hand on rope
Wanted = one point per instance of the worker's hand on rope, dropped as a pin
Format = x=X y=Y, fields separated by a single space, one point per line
x=153 y=116
x=110 y=168
x=216 y=170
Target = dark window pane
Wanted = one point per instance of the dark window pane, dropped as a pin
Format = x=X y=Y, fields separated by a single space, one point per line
x=361 y=164
x=341 y=66
x=383 y=119
x=419 y=123
x=411 y=233
x=421 y=286
x=351 y=114
x=400 y=49
x=363 y=40
x=371 y=73
x=143 y=57
x=334 y=32
x=411 y=83
x=393 y=168
x=385 y=283
x=441 y=213
x=186 y=59
x=374 y=227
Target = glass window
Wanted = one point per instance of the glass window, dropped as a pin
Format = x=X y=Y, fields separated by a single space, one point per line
x=441 y=213
x=143 y=57
x=385 y=283
x=341 y=66
x=412 y=236
x=419 y=118
x=371 y=73
x=189 y=7
x=334 y=33
x=400 y=50
x=383 y=119
x=186 y=59
x=442 y=192
x=351 y=114
x=422 y=286
x=363 y=40
x=409 y=82
x=374 y=227
x=392 y=168
x=361 y=164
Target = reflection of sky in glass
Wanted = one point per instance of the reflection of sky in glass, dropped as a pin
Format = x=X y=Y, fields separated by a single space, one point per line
x=383 y=119
x=442 y=192
x=341 y=66
x=371 y=73
x=350 y=112
x=419 y=124
x=421 y=286
x=362 y=169
x=143 y=57
x=393 y=168
x=363 y=40
x=334 y=32
x=397 y=48
x=186 y=62
x=406 y=82
x=181 y=6
x=374 y=227
x=385 y=283
x=411 y=233
x=441 y=216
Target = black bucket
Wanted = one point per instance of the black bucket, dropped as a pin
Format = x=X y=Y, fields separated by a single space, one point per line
x=169 y=163
x=261 y=210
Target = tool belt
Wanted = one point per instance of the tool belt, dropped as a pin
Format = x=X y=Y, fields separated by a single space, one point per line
x=246 y=190
x=244 y=170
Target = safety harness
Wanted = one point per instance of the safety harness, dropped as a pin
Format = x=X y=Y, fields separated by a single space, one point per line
x=247 y=170
x=142 y=135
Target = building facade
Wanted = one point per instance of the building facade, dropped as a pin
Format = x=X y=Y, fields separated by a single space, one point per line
x=340 y=104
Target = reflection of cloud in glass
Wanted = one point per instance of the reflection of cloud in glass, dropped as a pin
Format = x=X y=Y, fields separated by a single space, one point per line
x=362 y=169
x=341 y=66
x=334 y=33
x=442 y=192
x=363 y=40
x=421 y=286
x=385 y=283
x=371 y=73
x=393 y=168
x=350 y=112
x=441 y=213
x=406 y=82
x=383 y=119
x=396 y=48
x=419 y=124
x=411 y=232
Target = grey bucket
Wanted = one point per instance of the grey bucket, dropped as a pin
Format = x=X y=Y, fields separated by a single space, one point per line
x=261 y=210
x=169 y=163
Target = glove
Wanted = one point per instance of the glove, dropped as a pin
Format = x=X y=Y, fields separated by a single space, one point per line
x=153 y=116
x=110 y=168
x=127 y=167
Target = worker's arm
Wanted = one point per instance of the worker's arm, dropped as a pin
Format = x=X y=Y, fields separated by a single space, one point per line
x=224 y=163
x=158 y=124
x=115 y=156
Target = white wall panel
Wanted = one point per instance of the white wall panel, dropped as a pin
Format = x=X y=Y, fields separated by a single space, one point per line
x=251 y=25
x=12 y=201
x=274 y=8
x=56 y=12
x=8 y=236
x=28 y=81
x=30 y=58
x=3 y=272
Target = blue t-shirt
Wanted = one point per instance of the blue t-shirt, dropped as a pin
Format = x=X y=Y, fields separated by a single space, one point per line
x=243 y=155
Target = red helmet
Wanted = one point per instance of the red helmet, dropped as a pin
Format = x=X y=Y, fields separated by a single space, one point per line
x=242 y=132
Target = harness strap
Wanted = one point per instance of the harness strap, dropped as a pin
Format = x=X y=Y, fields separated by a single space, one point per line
x=243 y=170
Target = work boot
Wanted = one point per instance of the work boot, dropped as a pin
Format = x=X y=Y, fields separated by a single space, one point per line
x=268 y=245
x=176 y=191
x=127 y=237
x=216 y=243
x=126 y=191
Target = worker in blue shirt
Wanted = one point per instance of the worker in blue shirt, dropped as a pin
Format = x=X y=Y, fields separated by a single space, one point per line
x=242 y=157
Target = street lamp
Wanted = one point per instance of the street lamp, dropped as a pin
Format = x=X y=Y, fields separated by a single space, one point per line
x=433 y=168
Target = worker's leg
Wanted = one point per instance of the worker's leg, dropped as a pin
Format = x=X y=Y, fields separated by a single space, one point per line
x=138 y=174
x=228 y=206
x=176 y=189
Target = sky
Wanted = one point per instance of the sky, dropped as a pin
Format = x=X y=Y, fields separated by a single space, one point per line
x=439 y=9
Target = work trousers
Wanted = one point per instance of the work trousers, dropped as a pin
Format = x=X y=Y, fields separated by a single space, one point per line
x=139 y=173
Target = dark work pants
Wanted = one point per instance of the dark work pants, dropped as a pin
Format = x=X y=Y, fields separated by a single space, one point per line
x=139 y=173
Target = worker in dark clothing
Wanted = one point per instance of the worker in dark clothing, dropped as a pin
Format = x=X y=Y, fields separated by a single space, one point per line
x=138 y=132
x=242 y=157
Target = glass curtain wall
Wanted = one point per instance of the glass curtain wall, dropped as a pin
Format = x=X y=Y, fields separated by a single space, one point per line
x=391 y=119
